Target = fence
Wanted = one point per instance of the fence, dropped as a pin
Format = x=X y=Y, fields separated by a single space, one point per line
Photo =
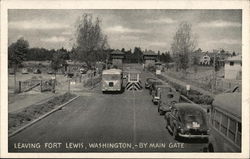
x=45 y=85
x=225 y=84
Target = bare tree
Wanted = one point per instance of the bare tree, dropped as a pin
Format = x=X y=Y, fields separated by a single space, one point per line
x=183 y=44
x=90 y=41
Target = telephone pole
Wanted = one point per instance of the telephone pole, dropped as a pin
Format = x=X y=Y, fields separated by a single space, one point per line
x=214 y=74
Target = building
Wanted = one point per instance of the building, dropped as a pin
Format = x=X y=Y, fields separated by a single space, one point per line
x=117 y=58
x=149 y=58
x=205 y=60
x=233 y=68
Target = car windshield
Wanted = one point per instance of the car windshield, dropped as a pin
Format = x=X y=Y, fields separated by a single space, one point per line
x=111 y=76
x=193 y=116
x=150 y=79
x=157 y=83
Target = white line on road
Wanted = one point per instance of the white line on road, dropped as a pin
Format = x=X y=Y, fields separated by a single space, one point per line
x=134 y=120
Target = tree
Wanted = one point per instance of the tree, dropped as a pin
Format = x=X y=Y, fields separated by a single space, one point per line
x=165 y=57
x=138 y=55
x=198 y=51
x=89 y=39
x=183 y=44
x=234 y=54
x=16 y=55
x=57 y=62
x=195 y=63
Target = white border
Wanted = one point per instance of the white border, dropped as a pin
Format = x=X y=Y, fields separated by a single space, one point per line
x=139 y=4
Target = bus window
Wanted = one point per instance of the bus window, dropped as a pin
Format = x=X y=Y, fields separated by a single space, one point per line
x=217 y=119
x=111 y=77
x=238 y=140
x=232 y=130
x=224 y=124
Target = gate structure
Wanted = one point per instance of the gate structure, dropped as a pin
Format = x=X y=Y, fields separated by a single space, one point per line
x=134 y=82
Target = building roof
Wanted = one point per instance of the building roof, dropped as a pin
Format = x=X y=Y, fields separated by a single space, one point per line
x=229 y=102
x=117 y=52
x=112 y=71
x=187 y=106
x=149 y=53
x=234 y=59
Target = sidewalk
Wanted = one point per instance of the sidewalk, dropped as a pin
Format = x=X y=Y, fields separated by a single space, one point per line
x=179 y=82
x=19 y=101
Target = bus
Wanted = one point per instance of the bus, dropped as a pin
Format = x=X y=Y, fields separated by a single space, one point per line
x=112 y=80
x=225 y=122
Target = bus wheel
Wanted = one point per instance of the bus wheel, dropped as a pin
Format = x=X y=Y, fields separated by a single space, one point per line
x=210 y=147
x=175 y=134
x=161 y=112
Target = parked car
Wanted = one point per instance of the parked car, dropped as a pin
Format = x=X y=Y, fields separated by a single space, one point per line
x=11 y=71
x=50 y=72
x=83 y=70
x=37 y=71
x=149 y=82
x=159 y=89
x=168 y=96
x=25 y=71
x=152 y=87
x=188 y=121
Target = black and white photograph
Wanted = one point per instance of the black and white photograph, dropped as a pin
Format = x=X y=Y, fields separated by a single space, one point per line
x=88 y=80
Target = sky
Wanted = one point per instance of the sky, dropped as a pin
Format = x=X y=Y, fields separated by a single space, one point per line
x=146 y=28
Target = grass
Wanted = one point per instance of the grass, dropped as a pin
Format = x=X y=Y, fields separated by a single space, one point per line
x=19 y=119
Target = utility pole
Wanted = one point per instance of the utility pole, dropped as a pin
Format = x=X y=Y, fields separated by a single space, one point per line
x=68 y=84
x=106 y=63
x=214 y=74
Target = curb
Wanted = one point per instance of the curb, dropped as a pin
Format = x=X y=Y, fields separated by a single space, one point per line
x=41 y=117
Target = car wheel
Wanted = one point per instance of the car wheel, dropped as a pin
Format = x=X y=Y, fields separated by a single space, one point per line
x=175 y=134
x=210 y=147
x=167 y=126
x=161 y=112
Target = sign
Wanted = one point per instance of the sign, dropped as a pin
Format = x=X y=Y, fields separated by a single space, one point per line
x=188 y=87
x=196 y=125
x=158 y=72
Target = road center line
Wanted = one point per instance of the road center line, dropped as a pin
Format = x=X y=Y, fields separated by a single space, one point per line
x=134 y=120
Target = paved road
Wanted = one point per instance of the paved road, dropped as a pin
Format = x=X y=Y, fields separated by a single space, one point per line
x=96 y=122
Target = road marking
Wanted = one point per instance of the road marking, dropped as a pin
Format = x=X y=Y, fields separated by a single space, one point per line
x=134 y=120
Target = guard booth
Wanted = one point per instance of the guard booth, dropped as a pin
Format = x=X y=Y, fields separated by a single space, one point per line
x=158 y=68
x=117 y=59
x=134 y=82
x=149 y=58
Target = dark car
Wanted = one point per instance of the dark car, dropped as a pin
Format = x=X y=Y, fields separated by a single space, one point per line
x=168 y=96
x=187 y=120
x=83 y=70
x=160 y=91
x=149 y=82
x=153 y=87
x=37 y=71
x=51 y=72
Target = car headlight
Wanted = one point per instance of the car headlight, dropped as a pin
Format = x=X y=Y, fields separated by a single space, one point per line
x=208 y=131
x=182 y=131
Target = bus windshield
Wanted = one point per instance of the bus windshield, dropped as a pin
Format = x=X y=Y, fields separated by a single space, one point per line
x=111 y=77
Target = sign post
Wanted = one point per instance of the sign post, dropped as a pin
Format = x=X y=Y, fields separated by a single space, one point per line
x=188 y=88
